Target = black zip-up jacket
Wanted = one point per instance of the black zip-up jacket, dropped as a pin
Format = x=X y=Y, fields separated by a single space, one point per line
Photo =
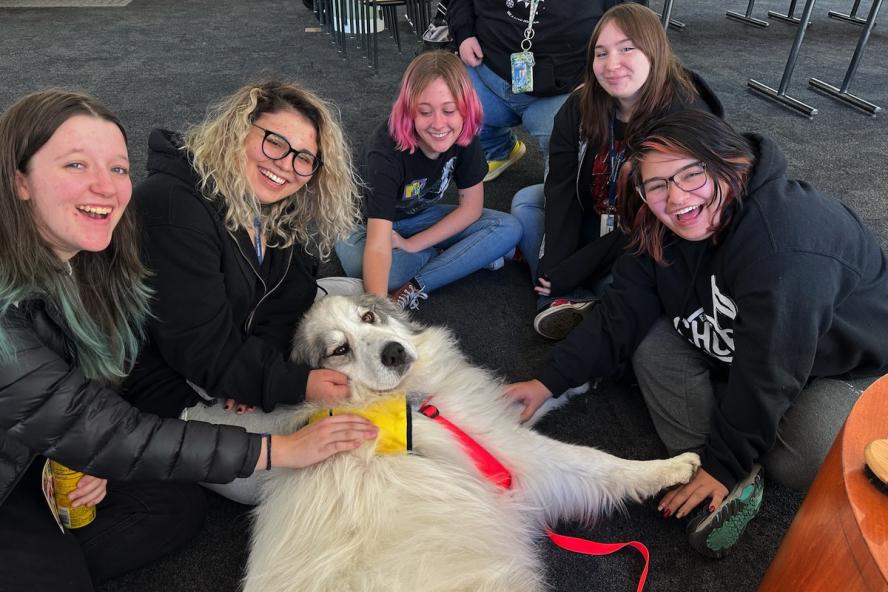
x=560 y=34
x=565 y=263
x=795 y=289
x=222 y=322
x=48 y=408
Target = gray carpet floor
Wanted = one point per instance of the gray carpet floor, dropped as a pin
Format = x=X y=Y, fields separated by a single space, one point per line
x=160 y=62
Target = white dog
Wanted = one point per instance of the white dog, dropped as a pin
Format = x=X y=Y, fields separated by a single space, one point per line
x=427 y=520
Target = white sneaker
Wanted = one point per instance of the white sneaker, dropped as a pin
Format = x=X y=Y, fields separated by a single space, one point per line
x=496 y=264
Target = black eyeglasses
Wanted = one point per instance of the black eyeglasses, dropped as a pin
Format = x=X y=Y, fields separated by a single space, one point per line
x=276 y=147
x=689 y=178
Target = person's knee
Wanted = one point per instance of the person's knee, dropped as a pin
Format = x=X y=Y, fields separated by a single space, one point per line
x=528 y=197
x=509 y=227
x=808 y=429
x=650 y=352
x=790 y=470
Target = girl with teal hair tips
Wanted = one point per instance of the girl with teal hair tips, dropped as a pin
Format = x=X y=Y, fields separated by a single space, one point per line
x=72 y=304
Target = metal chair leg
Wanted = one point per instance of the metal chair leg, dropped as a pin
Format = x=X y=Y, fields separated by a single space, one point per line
x=391 y=12
x=748 y=19
x=789 y=17
x=842 y=93
x=666 y=17
x=780 y=95
x=851 y=17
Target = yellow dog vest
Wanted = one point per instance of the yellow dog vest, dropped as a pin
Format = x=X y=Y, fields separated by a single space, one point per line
x=391 y=415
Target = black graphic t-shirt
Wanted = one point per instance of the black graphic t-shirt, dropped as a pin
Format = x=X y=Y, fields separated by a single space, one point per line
x=400 y=184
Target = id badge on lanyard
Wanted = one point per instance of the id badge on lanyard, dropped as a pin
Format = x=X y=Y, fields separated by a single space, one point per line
x=607 y=224
x=615 y=162
x=522 y=72
x=522 y=62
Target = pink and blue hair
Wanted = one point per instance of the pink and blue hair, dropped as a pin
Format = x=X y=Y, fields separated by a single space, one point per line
x=422 y=71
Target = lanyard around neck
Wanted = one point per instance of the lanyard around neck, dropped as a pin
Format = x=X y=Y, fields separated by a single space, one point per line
x=257 y=236
x=615 y=161
x=528 y=32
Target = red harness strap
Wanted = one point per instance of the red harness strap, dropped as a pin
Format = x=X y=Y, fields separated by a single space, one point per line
x=494 y=470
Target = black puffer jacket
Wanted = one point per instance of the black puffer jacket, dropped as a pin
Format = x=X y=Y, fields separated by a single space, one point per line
x=47 y=407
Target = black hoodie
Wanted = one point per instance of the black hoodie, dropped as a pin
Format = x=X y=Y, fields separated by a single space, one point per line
x=222 y=321
x=795 y=289
x=561 y=31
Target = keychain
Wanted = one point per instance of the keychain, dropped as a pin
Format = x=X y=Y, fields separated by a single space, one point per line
x=522 y=72
x=522 y=61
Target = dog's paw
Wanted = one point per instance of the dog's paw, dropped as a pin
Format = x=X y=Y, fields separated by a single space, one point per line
x=683 y=467
x=577 y=390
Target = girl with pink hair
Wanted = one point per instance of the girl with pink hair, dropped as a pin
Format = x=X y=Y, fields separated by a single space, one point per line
x=410 y=244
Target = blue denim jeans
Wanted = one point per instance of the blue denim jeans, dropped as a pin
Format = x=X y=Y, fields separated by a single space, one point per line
x=528 y=206
x=504 y=110
x=487 y=239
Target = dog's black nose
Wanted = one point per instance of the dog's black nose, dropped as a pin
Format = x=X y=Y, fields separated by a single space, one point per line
x=393 y=354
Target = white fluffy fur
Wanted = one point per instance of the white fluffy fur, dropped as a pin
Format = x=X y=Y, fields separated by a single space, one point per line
x=428 y=521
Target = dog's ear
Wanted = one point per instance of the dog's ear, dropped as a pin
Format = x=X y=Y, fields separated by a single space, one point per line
x=306 y=349
x=384 y=308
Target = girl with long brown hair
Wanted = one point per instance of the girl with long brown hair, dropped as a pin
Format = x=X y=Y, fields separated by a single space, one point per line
x=571 y=242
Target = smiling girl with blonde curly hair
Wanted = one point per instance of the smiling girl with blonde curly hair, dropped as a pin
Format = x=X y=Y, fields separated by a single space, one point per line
x=236 y=213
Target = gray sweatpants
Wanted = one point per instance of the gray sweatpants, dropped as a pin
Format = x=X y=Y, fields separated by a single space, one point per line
x=681 y=391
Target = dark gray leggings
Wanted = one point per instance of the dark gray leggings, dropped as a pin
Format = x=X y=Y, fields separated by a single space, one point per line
x=680 y=393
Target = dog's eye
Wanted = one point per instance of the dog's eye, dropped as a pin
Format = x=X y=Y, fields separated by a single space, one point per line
x=368 y=317
x=341 y=350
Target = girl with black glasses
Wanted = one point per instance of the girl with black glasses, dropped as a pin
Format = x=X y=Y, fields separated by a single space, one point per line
x=236 y=214
x=753 y=308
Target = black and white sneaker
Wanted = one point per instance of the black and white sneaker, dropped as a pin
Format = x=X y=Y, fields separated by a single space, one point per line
x=713 y=534
x=407 y=297
x=560 y=318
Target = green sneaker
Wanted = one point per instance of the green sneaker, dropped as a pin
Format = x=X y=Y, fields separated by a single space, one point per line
x=495 y=168
x=713 y=534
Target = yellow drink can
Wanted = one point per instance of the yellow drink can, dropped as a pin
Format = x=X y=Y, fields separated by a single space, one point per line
x=64 y=481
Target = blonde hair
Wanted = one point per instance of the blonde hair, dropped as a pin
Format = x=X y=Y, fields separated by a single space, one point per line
x=321 y=212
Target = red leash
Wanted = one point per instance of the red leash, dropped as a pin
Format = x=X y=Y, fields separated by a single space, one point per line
x=494 y=470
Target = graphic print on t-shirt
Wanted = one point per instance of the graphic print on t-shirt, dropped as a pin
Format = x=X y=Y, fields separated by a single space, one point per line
x=414 y=189
x=418 y=194
x=522 y=14
x=714 y=333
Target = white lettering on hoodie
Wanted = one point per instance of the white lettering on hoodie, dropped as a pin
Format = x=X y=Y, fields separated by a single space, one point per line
x=713 y=334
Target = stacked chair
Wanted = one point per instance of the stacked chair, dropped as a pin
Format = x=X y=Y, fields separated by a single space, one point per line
x=356 y=23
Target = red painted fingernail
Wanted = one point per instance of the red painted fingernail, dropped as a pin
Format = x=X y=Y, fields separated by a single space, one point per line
x=712 y=508
x=667 y=513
